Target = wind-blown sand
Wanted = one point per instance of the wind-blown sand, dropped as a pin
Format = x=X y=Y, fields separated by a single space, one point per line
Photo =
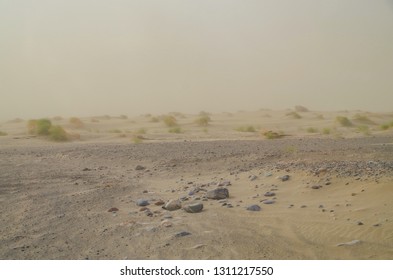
x=336 y=204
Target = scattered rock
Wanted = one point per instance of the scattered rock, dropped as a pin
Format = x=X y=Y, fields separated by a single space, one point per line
x=219 y=193
x=193 y=207
x=284 y=178
x=303 y=206
x=316 y=187
x=269 y=194
x=252 y=177
x=182 y=233
x=142 y=202
x=224 y=183
x=166 y=223
x=145 y=191
x=172 y=205
x=268 y=201
x=86 y=169
x=159 y=202
x=113 y=209
x=254 y=208
x=359 y=223
x=376 y=225
x=350 y=243
x=143 y=209
x=140 y=167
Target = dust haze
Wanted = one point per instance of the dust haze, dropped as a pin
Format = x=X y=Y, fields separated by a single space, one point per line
x=131 y=57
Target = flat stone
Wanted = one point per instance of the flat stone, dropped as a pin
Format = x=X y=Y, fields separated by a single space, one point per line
x=268 y=201
x=269 y=194
x=284 y=178
x=254 y=208
x=316 y=187
x=193 y=207
x=218 y=193
x=140 y=167
x=182 y=233
x=113 y=209
x=142 y=202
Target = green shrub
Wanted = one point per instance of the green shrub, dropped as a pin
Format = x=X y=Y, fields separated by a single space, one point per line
x=385 y=126
x=364 y=129
x=272 y=135
x=326 y=131
x=57 y=133
x=344 y=121
x=39 y=127
x=2 y=133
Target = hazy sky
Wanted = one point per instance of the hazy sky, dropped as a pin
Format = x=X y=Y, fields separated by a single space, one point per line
x=87 y=57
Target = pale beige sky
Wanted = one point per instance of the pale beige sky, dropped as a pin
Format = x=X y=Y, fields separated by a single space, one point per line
x=80 y=57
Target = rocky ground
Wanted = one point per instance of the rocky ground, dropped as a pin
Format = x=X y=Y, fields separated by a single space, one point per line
x=291 y=198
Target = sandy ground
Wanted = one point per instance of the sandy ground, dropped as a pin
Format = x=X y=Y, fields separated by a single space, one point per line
x=336 y=204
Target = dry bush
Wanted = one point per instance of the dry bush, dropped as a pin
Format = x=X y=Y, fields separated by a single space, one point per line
x=76 y=122
x=39 y=127
x=203 y=120
x=176 y=129
x=169 y=120
x=300 y=108
x=294 y=115
x=312 y=130
x=58 y=134
x=272 y=134
x=344 y=121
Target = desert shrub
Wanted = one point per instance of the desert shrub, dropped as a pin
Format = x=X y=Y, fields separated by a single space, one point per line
x=137 y=139
x=248 y=128
x=299 y=108
x=385 y=126
x=312 y=130
x=344 y=121
x=169 y=120
x=176 y=129
x=57 y=133
x=141 y=131
x=294 y=115
x=272 y=134
x=203 y=120
x=154 y=119
x=76 y=122
x=2 y=133
x=364 y=129
x=326 y=131
x=362 y=119
x=39 y=127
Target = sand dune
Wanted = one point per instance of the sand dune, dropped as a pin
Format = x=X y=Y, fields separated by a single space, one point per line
x=336 y=203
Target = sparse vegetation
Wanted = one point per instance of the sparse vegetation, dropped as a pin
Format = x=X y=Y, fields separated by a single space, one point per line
x=203 y=120
x=39 y=127
x=312 y=130
x=137 y=139
x=272 y=134
x=43 y=127
x=2 y=133
x=141 y=131
x=299 y=108
x=154 y=119
x=362 y=119
x=248 y=128
x=294 y=115
x=57 y=133
x=115 y=131
x=385 y=126
x=320 y=117
x=170 y=121
x=176 y=129
x=326 y=131
x=76 y=122
x=344 y=121
x=364 y=129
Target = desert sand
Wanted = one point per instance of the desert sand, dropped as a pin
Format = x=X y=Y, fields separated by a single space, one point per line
x=324 y=190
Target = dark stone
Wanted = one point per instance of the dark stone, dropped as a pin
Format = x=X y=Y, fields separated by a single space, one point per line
x=269 y=194
x=219 y=193
x=182 y=233
x=140 y=167
x=193 y=207
x=113 y=209
x=142 y=202
x=254 y=208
